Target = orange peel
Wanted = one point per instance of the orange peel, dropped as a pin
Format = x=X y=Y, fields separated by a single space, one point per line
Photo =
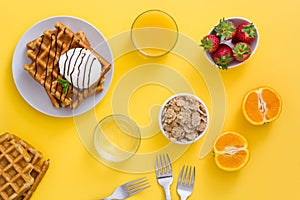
x=261 y=105
x=231 y=151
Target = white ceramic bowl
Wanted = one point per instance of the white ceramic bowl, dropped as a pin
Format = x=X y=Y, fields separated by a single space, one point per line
x=183 y=140
x=237 y=21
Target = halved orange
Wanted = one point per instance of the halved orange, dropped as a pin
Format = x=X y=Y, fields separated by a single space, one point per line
x=262 y=105
x=231 y=151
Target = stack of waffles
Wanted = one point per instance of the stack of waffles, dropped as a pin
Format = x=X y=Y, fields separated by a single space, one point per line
x=45 y=52
x=21 y=168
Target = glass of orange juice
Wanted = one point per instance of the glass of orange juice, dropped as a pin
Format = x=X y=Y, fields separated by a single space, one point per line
x=154 y=33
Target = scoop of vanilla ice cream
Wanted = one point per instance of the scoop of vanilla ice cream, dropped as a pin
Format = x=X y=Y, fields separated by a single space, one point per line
x=80 y=67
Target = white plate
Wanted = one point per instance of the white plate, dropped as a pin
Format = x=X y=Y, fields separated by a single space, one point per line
x=32 y=91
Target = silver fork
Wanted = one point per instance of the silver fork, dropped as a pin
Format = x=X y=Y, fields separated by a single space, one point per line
x=186 y=182
x=128 y=189
x=163 y=170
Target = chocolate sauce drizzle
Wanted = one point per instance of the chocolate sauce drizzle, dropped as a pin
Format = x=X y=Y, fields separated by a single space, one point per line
x=90 y=69
x=37 y=55
x=53 y=50
x=51 y=68
x=83 y=55
x=70 y=45
x=56 y=88
x=47 y=62
x=87 y=67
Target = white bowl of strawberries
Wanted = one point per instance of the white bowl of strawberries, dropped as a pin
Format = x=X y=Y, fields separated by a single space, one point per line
x=231 y=42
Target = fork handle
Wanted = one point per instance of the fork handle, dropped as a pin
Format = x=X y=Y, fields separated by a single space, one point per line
x=167 y=192
x=183 y=197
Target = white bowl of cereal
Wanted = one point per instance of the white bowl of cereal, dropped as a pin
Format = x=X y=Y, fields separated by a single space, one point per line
x=183 y=118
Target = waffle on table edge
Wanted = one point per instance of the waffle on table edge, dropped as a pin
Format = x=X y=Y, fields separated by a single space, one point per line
x=44 y=53
x=21 y=168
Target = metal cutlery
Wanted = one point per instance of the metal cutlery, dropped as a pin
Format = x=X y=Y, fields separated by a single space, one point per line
x=163 y=170
x=186 y=182
x=129 y=189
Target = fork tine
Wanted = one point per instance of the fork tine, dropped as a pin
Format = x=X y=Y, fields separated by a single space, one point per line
x=139 y=190
x=186 y=181
x=139 y=182
x=134 y=181
x=193 y=176
x=169 y=164
x=189 y=175
x=180 y=176
x=156 y=165
x=186 y=175
x=138 y=185
x=161 y=164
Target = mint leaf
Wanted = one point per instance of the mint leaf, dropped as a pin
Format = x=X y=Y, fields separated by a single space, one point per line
x=65 y=84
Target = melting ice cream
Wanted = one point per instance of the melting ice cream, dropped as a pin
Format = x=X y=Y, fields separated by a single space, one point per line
x=80 y=67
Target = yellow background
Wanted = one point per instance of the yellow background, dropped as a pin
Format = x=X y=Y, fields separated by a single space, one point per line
x=273 y=171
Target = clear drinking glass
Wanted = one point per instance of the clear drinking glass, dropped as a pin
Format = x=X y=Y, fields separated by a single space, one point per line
x=116 y=138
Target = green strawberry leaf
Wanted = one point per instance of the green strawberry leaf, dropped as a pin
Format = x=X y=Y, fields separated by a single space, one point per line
x=250 y=30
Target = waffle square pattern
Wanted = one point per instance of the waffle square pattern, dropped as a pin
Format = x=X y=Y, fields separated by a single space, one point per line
x=45 y=52
x=21 y=168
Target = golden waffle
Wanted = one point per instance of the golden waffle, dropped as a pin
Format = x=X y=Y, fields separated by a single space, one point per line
x=44 y=53
x=21 y=168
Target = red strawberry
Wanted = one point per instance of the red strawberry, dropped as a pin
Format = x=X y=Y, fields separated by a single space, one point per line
x=210 y=43
x=225 y=29
x=245 y=32
x=241 y=51
x=234 y=40
x=223 y=56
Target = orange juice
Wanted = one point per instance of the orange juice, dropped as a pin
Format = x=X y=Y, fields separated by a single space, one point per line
x=154 y=33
